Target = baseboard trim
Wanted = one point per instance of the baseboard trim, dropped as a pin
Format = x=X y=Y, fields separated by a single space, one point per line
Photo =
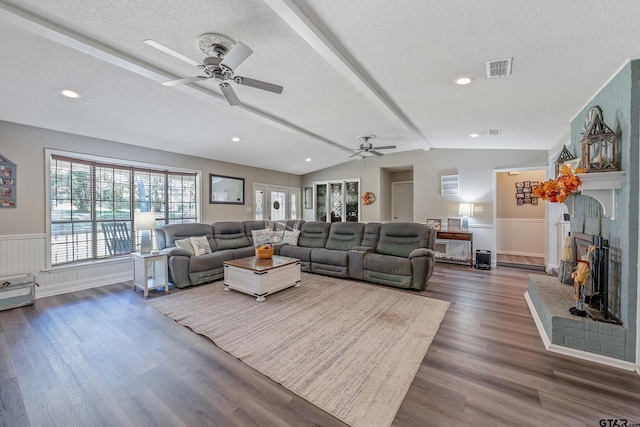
x=80 y=285
x=592 y=357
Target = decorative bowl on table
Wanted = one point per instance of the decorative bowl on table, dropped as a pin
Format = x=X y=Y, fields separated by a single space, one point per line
x=264 y=251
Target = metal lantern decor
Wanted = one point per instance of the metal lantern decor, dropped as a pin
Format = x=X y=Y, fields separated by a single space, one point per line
x=598 y=144
x=564 y=157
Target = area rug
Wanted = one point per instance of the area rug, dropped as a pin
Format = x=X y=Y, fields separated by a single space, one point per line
x=349 y=348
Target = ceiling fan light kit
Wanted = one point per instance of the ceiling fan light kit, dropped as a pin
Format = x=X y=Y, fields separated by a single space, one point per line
x=223 y=56
x=367 y=147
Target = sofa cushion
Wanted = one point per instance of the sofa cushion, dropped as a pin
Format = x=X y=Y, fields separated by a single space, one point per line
x=299 y=252
x=209 y=261
x=371 y=234
x=343 y=236
x=313 y=234
x=400 y=238
x=329 y=256
x=387 y=264
x=230 y=235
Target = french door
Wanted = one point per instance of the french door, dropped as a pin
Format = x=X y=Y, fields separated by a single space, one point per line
x=276 y=203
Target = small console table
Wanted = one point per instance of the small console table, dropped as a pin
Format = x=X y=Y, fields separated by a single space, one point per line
x=454 y=247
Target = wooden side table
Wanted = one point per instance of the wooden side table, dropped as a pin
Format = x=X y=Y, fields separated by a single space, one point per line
x=150 y=271
x=466 y=238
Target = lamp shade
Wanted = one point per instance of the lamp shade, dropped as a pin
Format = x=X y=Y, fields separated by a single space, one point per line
x=144 y=221
x=465 y=209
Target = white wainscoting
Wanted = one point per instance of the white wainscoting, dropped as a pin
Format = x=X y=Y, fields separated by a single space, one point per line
x=27 y=254
x=521 y=236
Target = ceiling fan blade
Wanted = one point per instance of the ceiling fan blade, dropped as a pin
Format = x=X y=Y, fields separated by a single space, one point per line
x=375 y=152
x=355 y=154
x=171 y=52
x=185 y=81
x=258 y=84
x=236 y=56
x=386 y=147
x=230 y=94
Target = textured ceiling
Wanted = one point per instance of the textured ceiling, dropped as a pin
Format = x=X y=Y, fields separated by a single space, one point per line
x=348 y=68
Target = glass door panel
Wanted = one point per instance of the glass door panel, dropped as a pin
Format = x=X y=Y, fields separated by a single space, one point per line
x=352 y=201
x=336 y=202
x=321 y=202
x=278 y=205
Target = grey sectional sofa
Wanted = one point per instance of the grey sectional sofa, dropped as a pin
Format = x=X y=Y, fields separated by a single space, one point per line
x=392 y=254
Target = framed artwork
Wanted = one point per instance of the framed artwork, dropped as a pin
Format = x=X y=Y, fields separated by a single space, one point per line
x=435 y=223
x=449 y=185
x=8 y=178
x=308 y=198
x=524 y=192
x=454 y=224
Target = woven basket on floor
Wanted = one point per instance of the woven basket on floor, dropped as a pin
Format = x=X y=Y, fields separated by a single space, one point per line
x=264 y=253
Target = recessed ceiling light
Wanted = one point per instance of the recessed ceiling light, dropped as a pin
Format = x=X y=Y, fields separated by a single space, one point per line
x=235 y=139
x=70 y=93
x=474 y=135
x=463 y=80
x=307 y=160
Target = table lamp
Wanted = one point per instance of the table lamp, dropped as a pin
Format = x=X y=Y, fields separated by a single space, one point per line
x=465 y=210
x=145 y=222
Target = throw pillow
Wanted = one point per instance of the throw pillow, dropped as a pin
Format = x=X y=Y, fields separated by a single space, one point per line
x=200 y=245
x=261 y=237
x=185 y=244
x=277 y=236
x=291 y=237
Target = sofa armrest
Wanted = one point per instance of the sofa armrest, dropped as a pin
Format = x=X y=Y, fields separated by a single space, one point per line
x=422 y=252
x=175 y=251
x=362 y=249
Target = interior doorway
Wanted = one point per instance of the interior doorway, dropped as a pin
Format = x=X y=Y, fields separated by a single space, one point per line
x=520 y=219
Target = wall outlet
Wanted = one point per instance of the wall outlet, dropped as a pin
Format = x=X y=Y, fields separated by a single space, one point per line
x=248 y=208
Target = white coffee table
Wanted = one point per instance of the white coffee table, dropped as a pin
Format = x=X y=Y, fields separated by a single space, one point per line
x=261 y=277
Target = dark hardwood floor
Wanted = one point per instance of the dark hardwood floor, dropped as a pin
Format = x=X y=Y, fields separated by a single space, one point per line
x=102 y=357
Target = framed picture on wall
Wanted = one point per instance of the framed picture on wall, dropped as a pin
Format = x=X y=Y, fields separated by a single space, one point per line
x=8 y=178
x=454 y=224
x=449 y=184
x=435 y=223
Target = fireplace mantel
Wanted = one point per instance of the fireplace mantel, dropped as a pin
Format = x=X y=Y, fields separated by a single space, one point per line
x=602 y=186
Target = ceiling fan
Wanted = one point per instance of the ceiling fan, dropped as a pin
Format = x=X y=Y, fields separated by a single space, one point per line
x=223 y=56
x=367 y=147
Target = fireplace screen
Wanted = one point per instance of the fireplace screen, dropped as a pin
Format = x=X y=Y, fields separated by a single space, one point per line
x=595 y=292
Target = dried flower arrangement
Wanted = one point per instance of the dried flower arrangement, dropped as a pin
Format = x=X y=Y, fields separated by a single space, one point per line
x=557 y=190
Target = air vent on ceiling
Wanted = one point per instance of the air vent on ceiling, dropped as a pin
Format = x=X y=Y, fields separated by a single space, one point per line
x=499 y=68
x=494 y=132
